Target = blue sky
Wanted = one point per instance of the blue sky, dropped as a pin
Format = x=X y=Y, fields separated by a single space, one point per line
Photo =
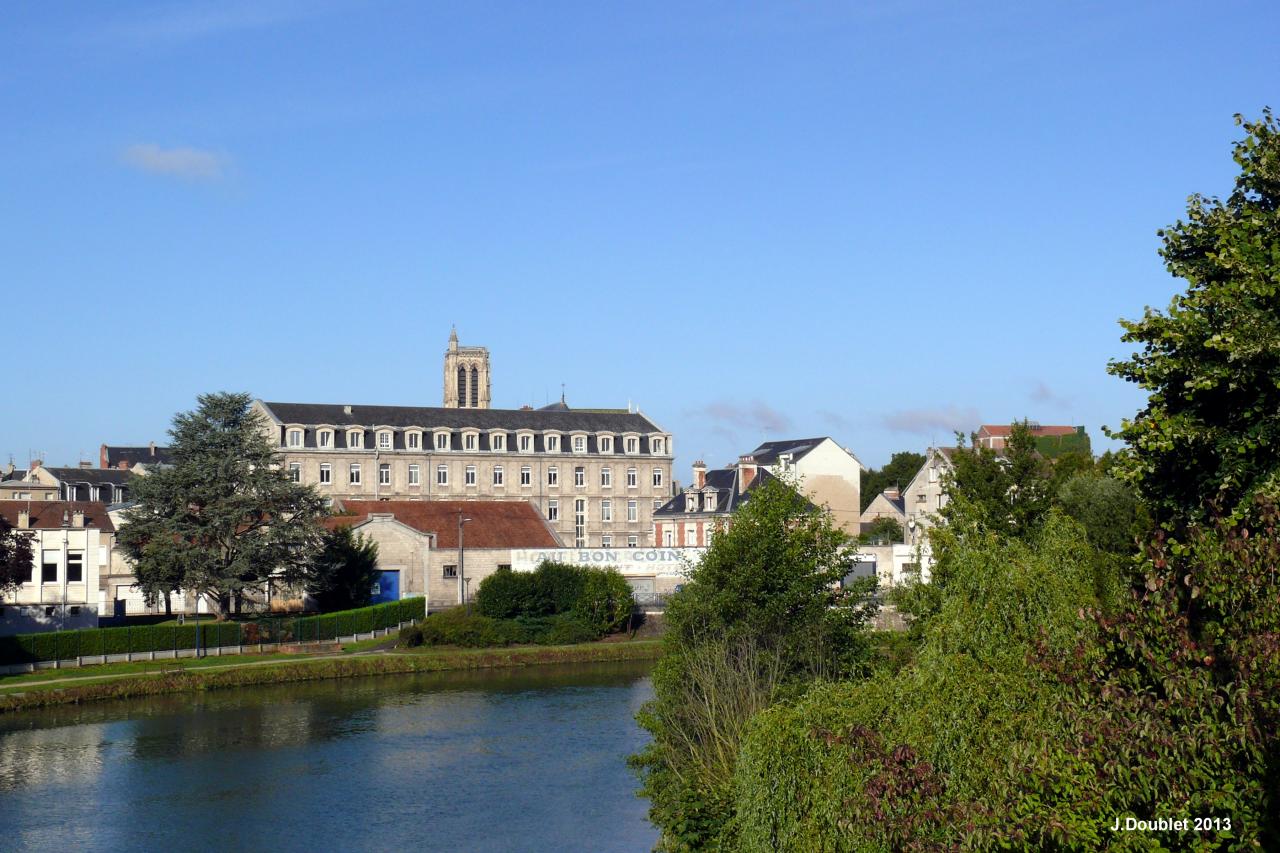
x=878 y=221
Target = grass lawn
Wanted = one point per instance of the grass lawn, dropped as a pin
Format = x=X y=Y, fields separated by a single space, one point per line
x=28 y=680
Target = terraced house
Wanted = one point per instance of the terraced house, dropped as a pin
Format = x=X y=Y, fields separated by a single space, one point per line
x=596 y=475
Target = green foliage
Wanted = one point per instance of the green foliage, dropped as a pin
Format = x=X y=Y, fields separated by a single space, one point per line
x=410 y=637
x=599 y=597
x=901 y=470
x=455 y=628
x=223 y=518
x=1210 y=432
x=882 y=531
x=762 y=614
x=1106 y=508
x=343 y=573
x=15 y=557
x=1007 y=494
x=1055 y=446
x=91 y=642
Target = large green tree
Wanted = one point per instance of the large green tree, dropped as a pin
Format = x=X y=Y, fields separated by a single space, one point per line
x=15 y=556
x=343 y=574
x=223 y=518
x=1210 y=432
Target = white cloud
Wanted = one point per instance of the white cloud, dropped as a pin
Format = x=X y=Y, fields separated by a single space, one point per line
x=752 y=414
x=947 y=419
x=180 y=162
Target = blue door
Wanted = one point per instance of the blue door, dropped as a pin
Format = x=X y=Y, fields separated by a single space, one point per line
x=386 y=588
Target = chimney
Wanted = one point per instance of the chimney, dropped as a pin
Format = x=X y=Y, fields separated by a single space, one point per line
x=123 y=465
x=346 y=410
x=77 y=518
x=102 y=457
x=892 y=493
x=152 y=445
x=36 y=463
x=746 y=471
x=699 y=474
x=24 y=518
x=85 y=463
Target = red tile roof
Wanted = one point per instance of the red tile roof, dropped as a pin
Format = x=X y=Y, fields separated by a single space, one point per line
x=48 y=514
x=1007 y=429
x=494 y=524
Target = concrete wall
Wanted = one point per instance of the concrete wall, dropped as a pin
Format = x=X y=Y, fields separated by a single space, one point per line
x=59 y=604
x=832 y=478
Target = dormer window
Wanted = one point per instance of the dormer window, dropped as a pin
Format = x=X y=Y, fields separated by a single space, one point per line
x=525 y=442
x=579 y=444
x=632 y=444
x=606 y=443
x=442 y=440
x=413 y=440
x=655 y=445
x=295 y=438
x=384 y=440
x=324 y=438
x=355 y=439
x=470 y=441
x=553 y=443
x=709 y=504
x=691 y=503
x=498 y=442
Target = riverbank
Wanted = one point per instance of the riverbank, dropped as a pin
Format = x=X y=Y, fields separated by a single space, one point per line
x=241 y=671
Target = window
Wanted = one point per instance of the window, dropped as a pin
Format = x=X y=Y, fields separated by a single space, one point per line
x=353 y=474
x=632 y=444
x=691 y=503
x=414 y=476
x=355 y=439
x=526 y=476
x=295 y=471
x=413 y=440
x=497 y=475
x=709 y=502
x=49 y=567
x=469 y=441
x=553 y=476
x=939 y=501
x=922 y=498
x=385 y=441
x=442 y=475
x=324 y=438
x=579 y=444
x=606 y=444
x=933 y=473
x=553 y=443
x=384 y=474
x=656 y=445
x=606 y=541
x=631 y=478
x=326 y=473
x=75 y=567
x=657 y=505
x=706 y=533
x=668 y=536
x=526 y=444
x=450 y=571
x=657 y=478
x=553 y=510
x=470 y=475
x=690 y=535
x=580 y=523
x=606 y=510
x=295 y=438
x=606 y=477
x=442 y=441
x=633 y=541
x=633 y=511
x=579 y=476
x=498 y=441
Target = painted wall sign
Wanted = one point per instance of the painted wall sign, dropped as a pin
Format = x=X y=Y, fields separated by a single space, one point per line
x=628 y=561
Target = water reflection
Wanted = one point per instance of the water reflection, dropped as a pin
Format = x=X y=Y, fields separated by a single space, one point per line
x=500 y=760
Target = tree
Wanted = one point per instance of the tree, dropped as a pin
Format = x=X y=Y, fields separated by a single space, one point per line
x=1006 y=494
x=223 y=518
x=1210 y=432
x=343 y=574
x=1106 y=508
x=882 y=531
x=15 y=557
x=901 y=469
x=763 y=609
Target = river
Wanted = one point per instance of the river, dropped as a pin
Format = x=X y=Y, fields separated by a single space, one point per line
x=512 y=759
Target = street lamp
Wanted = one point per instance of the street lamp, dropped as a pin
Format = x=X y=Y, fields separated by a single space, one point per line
x=462 y=564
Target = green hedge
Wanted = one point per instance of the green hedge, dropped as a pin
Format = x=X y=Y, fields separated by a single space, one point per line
x=455 y=628
x=90 y=642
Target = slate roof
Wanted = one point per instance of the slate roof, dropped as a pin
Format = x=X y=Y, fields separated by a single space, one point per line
x=494 y=524
x=136 y=455
x=115 y=476
x=768 y=453
x=430 y=417
x=725 y=482
x=46 y=515
x=15 y=474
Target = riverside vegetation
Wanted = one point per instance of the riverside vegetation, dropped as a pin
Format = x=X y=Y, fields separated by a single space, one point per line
x=1100 y=640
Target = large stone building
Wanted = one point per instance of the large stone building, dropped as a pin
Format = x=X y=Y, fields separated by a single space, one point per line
x=596 y=475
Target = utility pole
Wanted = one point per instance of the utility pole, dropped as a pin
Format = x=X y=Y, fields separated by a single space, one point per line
x=462 y=564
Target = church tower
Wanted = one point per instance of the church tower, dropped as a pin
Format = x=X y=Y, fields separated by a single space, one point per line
x=466 y=376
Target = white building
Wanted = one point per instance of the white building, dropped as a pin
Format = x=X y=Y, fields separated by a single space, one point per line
x=70 y=548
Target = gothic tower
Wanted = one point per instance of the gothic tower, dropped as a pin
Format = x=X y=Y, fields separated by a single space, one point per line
x=466 y=376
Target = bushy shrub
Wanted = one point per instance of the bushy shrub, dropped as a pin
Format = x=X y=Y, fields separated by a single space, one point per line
x=456 y=628
x=410 y=637
x=599 y=598
x=504 y=594
x=605 y=602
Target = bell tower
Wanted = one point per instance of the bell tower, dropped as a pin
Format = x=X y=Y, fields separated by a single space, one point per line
x=466 y=375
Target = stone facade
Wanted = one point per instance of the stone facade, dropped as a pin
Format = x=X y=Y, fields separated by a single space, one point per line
x=466 y=376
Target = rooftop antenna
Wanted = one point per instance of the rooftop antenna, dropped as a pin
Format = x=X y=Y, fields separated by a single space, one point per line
x=561 y=392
